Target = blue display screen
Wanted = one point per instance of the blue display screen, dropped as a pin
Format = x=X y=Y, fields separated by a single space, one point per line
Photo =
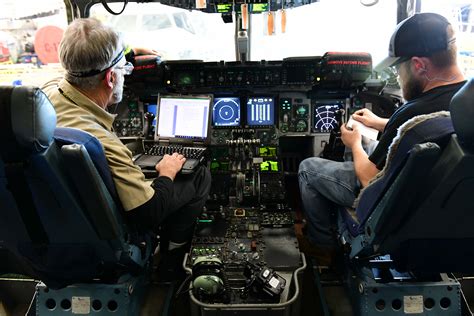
x=260 y=111
x=152 y=109
x=226 y=112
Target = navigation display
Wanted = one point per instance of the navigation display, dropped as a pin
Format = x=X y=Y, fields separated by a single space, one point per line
x=226 y=112
x=324 y=115
x=260 y=111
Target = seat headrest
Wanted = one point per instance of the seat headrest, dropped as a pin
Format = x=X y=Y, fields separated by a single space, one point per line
x=27 y=121
x=462 y=114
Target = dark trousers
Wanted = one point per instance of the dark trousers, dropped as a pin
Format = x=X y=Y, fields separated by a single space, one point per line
x=189 y=196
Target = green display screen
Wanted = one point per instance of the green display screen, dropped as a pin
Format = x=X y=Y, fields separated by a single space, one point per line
x=258 y=7
x=224 y=8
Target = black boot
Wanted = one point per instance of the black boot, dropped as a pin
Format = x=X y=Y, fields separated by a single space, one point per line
x=170 y=266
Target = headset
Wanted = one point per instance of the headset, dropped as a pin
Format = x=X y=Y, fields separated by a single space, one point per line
x=209 y=281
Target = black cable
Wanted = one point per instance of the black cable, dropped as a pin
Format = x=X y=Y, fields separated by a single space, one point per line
x=180 y=291
x=106 y=6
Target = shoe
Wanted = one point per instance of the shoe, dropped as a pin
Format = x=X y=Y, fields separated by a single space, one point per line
x=324 y=256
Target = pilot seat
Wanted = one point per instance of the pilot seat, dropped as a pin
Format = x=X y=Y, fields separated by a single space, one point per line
x=61 y=218
x=411 y=232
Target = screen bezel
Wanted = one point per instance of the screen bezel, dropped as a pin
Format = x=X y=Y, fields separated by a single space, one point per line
x=227 y=97
x=323 y=102
x=179 y=140
x=275 y=114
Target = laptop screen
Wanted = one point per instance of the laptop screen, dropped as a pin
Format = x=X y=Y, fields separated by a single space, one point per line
x=183 y=118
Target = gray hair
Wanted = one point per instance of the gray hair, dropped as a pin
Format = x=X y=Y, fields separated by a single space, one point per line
x=87 y=45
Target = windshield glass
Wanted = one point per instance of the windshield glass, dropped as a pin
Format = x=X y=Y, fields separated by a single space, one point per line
x=309 y=30
x=176 y=33
x=328 y=25
x=30 y=32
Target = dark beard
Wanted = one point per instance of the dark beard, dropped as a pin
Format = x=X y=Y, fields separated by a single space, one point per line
x=412 y=88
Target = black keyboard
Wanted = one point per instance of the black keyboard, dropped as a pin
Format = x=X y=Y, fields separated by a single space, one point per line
x=188 y=152
x=194 y=157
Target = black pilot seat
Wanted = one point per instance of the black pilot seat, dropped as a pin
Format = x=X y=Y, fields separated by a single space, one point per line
x=61 y=218
x=413 y=225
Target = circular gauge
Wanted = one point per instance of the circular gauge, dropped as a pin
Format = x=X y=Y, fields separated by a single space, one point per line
x=324 y=118
x=226 y=112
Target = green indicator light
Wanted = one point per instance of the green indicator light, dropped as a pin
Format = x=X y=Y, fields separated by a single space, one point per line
x=301 y=110
x=205 y=221
x=273 y=165
x=186 y=80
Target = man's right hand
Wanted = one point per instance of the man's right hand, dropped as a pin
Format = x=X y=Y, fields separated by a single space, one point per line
x=368 y=118
x=170 y=165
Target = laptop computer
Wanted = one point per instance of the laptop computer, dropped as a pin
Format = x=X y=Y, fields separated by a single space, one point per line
x=183 y=126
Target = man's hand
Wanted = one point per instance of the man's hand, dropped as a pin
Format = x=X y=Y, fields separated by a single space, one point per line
x=170 y=165
x=350 y=138
x=368 y=118
x=145 y=51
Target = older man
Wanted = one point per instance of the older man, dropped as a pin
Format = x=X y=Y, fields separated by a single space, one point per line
x=92 y=55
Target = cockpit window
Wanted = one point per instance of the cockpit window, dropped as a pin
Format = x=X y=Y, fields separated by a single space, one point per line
x=324 y=26
x=124 y=23
x=182 y=21
x=155 y=22
x=175 y=33
x=461 y=16
x=30 y=32
x=309 y=30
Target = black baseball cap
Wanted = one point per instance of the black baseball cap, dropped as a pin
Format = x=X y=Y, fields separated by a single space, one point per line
x=420 y=35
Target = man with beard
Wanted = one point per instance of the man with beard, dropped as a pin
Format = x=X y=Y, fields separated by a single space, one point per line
x=92 y=55
x=423 y=52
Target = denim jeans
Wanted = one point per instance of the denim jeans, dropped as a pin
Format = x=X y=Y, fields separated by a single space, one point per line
x=325 y=185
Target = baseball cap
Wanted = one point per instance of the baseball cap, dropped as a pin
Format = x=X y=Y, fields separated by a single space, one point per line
x=420 y=35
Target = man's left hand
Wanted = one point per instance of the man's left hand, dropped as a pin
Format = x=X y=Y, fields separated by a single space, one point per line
x=145 y=51
x=350 y=138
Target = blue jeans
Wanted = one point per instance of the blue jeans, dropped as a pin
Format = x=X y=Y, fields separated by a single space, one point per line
x=325 y=185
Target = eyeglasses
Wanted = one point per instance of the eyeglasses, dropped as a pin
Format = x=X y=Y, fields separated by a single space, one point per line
x=396 y=68
x=127 y=68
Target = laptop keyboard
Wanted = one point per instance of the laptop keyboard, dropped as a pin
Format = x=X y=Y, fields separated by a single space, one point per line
x=194 y=157
x=188 y=152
